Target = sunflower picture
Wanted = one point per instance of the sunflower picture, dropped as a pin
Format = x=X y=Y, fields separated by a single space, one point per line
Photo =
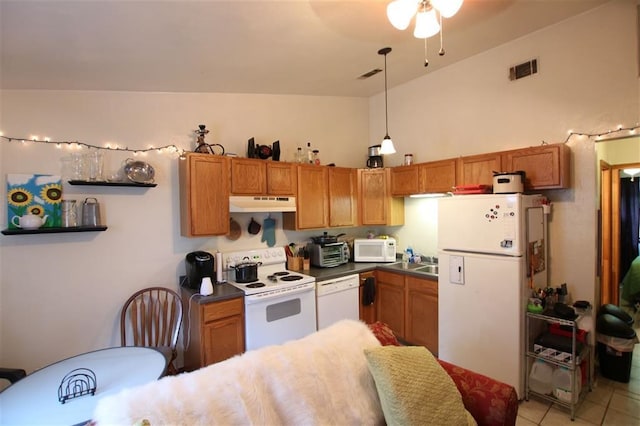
x=40 y=195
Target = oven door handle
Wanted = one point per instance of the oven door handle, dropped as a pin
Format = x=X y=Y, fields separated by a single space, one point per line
x=278 y=294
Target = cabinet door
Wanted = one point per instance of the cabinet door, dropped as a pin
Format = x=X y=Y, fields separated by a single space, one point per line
x=438 y=176
x=405 y=180
x=312 y=201
x=342 y=196
x=372 y=197
x=422 y=313
x=204 y=195
x=367 y=313
x=390 y=301
x=248 y=176
x=546 y=166
x=478 y=169
x=222 y=339
x=281 y=178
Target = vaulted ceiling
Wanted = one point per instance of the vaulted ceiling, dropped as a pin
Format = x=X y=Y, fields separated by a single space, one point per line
x=305 y=47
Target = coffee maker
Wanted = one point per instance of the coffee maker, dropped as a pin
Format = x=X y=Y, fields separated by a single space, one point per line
x=375 y=159
x=199 y=264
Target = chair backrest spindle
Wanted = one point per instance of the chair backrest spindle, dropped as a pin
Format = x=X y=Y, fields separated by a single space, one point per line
x=152 y=317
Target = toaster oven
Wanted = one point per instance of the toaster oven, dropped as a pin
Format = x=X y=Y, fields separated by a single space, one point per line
x=329 y=254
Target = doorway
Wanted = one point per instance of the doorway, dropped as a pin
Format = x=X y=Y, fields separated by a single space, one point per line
x=614 y=156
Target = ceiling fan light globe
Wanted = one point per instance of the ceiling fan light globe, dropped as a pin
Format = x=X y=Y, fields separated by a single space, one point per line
x=426 y=24
x=447 y=8
x=400 y=13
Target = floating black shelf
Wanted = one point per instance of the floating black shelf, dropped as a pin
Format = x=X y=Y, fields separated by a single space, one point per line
x=54 y=230
x=106 y=183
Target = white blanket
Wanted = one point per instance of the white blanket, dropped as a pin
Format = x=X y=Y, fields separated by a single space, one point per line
x=322 y=379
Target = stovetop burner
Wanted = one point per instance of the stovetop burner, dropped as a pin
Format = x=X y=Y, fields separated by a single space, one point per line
x=291 y=278
x=255 y=285
x=281 y=273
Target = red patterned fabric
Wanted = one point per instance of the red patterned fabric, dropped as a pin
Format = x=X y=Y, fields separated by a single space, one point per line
x=490 y=402
x=384 y=334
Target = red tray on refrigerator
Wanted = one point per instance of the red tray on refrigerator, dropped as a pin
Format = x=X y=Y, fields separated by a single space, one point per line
x=473 y=189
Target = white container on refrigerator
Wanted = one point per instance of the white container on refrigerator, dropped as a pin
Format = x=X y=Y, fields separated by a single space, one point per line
x=491 y=249
x=337 y=299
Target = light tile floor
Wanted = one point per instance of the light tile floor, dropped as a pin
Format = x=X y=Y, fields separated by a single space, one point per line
x=610 y=403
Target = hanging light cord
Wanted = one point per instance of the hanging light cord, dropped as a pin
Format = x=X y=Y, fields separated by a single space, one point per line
x=386 y=113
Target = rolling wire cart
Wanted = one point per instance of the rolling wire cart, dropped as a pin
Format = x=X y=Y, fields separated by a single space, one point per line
x=580 y=351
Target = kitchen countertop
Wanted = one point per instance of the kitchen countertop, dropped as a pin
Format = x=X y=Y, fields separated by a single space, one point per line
x=222 y=291
x=350 y=268
x=225 y=291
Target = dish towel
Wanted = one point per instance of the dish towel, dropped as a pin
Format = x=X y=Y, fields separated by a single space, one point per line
x=269 y=231
x=369 y=291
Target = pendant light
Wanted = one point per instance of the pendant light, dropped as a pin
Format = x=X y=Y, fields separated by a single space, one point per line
x=387 y=144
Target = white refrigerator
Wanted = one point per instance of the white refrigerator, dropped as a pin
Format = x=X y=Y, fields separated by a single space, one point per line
x=492 y=251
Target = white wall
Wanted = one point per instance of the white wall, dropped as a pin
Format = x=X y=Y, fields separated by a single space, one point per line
x=61 y=293
x=587 y=82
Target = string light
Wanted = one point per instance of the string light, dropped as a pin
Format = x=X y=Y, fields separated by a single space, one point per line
x=601 y=136
x=172 y=149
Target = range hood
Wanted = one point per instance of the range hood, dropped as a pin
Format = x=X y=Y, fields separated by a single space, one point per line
x=250 y=204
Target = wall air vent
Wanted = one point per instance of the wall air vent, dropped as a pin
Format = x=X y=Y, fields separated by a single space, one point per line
x=523 y=70
x=369 y=73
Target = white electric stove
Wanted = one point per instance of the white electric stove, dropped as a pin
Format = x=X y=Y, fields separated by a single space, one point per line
x=280 y=305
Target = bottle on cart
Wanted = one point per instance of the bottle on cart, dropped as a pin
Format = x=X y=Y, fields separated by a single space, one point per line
x=316 y=157
x=299 y=158
x=562 y=382
x=541 y=377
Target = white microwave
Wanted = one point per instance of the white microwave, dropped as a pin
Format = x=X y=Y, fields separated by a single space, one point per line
x=374 y=250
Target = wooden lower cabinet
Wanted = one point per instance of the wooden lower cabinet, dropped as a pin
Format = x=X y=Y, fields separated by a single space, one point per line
x=421 y=326
x=390 y=301
x=409 y=306
x=367 y=313
x=215 y=331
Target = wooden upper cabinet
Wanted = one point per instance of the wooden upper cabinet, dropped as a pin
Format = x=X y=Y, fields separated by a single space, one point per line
x=376 y=206
x=248 y=176
x=312 y=201
x=478 y=169
x=251 y=176
x=405 y=180
x=437 y=176
x=281 y=178
x=204 y=195
x=343 y=196
x=545 y=166
x=372 y=196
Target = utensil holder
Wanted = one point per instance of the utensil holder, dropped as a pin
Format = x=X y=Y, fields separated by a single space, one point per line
x=294 y=263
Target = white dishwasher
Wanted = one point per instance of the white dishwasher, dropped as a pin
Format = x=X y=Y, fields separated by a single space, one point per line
x=337 y=299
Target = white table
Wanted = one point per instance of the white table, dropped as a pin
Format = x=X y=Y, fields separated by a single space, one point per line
x=34 y=399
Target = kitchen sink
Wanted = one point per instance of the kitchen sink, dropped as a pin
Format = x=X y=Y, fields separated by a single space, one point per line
x=425 y=268
x=429 y=269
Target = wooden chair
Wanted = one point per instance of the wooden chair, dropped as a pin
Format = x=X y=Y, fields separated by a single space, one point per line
x=12 y=374
x=152 y=317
